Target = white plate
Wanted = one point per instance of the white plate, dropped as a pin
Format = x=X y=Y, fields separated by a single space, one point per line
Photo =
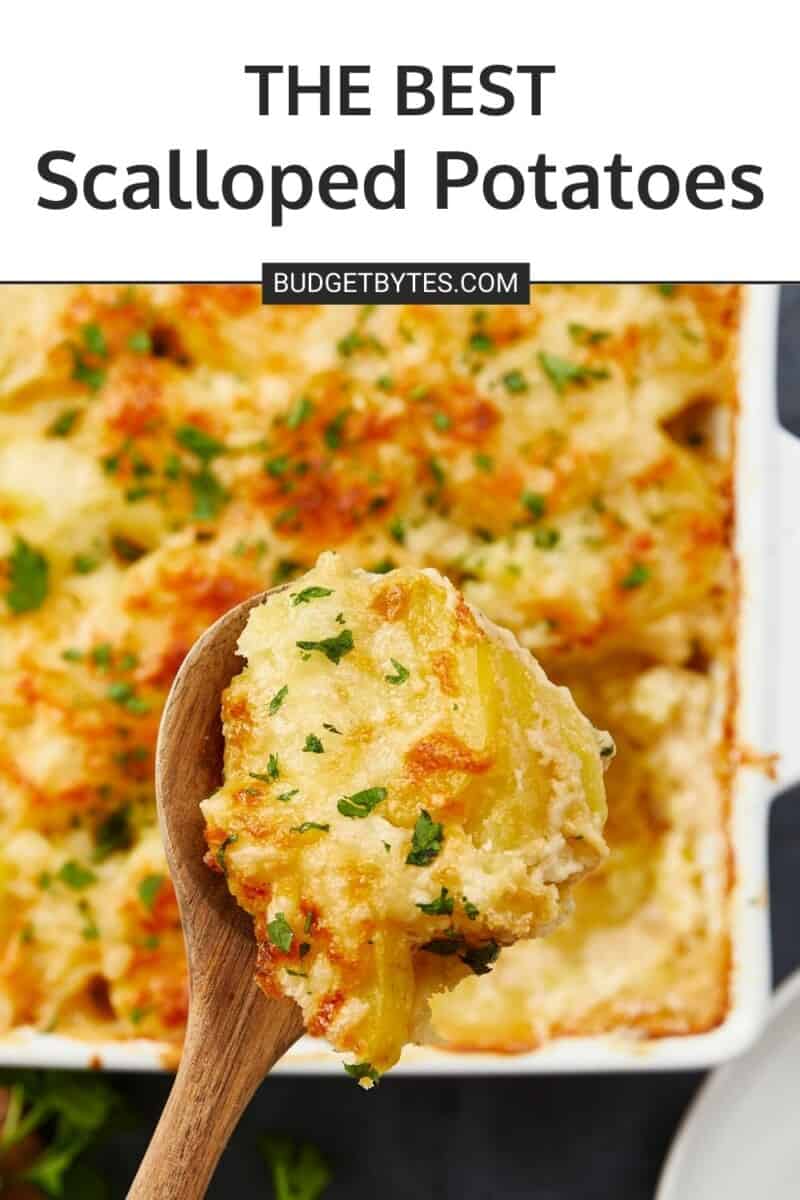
x=741 y=1137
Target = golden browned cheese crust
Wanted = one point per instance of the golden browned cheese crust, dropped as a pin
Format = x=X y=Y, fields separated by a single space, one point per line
x=405 y=793
x=166 y=451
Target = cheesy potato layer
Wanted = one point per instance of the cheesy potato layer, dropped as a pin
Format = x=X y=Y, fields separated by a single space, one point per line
x=405 y=792
x=167 y=451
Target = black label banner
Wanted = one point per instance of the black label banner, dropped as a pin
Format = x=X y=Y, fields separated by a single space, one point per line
x=395 y=283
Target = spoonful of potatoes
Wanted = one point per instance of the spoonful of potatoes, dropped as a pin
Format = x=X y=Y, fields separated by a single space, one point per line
x=394 y=793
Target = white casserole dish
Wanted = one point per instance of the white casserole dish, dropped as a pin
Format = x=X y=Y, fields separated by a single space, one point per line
x=768 y=546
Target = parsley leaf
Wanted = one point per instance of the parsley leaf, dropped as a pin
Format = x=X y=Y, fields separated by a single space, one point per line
x=481 y=958
x=361 y=804
x=94 y=340
x=313 y=744
x=546 y=539
x=208 y=494
x=280 y=932
x=535 y=504
x=272 y=772
x=310 y=593
x=140 y=342
x=149 y=888
x=299 y=1172
x=561 y=372
x=278 y=699
x=441 y=906
x=470 y=909
x=638 y=574
x=362 y=1070
x=306 y=826
x=334 y=430
x=114 y=833
x=64 y=423
x=300 y=411
x=426 y=841
x=334 y=648
x=220 y=855
x=515 y=382
x=76 y=876
x=28 y=578
x=449 y=943
x=198 y=442
x=401 y=675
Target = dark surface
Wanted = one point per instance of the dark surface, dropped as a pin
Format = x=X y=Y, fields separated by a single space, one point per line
x=546 y=1138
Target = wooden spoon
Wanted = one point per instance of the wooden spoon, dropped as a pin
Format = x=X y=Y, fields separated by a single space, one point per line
x=235 y=1033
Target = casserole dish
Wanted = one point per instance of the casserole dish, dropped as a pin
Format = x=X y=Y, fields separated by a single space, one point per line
x=763 y=500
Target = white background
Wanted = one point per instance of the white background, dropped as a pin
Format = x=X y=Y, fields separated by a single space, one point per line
x=680 y=83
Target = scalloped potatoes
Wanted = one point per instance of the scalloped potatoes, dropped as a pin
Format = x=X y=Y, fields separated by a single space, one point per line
x=405 y=792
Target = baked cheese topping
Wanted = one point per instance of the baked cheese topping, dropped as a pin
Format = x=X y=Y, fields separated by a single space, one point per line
x=405 y=793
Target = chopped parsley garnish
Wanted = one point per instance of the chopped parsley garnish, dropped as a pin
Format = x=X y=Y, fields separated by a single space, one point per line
x=385 y=383
x=401 y=673
x=449 y=943
x=585 y=336
x=114 y=833
x=561 y=372
x=284 y=796
x=76 y=876
x=308 y=922
x=361 y=804
x=220 y=855
x=441 y=421
x=298 y=974
x=126 y=549
x=334 y=430
x=397 y=530
x=472 y=911
x=84 y=372
x=441 y=906
x=278 y=699
x=638 y=574
x=437 y=471
x=272 y=772
x=84 y=564
x=535 y=504
x=198 y=442
x=481 y=958
x=208 y=494
x=72 y=654
x=28 y=577
x=149 y=888
x=101 y=654
x=306 y=826
x=484 y=462
x=331 y=728
x=122 y=693
x=362 y=1070
x=285 y=568
x=515 y=382
x=310 y=593
x=94 y=340
x=426 y=841
x=64 y=423
x=383 y=567
x=667 y=289
x=334 y=648
x=277 y=466
x=351 y=342
x=300 y=411
x=280 y=932
x=299 y=1172
x=140 y=342
x=546 y=539
x=313 y=745
x=481 y=342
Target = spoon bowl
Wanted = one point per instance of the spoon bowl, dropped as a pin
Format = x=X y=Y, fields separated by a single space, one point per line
x=235 y=1033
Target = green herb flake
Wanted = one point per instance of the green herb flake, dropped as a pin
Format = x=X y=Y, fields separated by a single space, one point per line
x=307 y=826
x=94 y=340
x=149 y=888
x=101 y=655
x=401 y=673
x=515 y=382
x=286 y=796
x=313 y=745
x=208 y=494
x=28 y=578
x=83 y=372
x=76 y=876
x=278 y=466
x=72 y=654
x=561 y=372
x=140 y=342
x=308 y=922
x=638 y=574
x=546 y=539
x=441 y=906
x=667 y=289
x=198 y=442
x=449 y=943
x=64 y=423
x=84 y=564
x=484 y=462
x=481 y=342
x=535 y=503
x=362 y=1070
x=220 y=855
x=114 y=833
x=331 y=728
x=334 y=648
x=426 y=841
x=481 y=958
x=397 y=530
x=471 y=910
x=333 y=433
x=300 y=411
x=441 y=421
x=585 y=336
x=361 y=804
x=310 y=593
x=278 y=699
x=280 y=932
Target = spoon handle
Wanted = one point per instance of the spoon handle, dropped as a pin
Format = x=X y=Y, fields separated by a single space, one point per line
x=222 y=1064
